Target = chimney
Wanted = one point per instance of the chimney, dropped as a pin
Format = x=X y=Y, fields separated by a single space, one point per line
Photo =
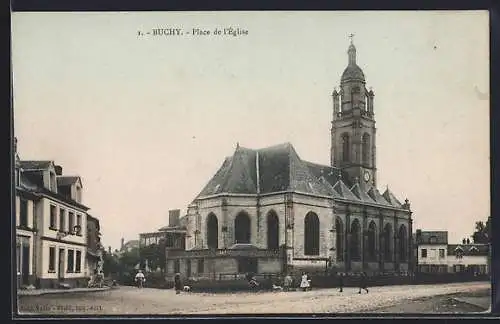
x=109 y=249
x=418 y=235
x=464 y=241
x=468 y=241
x=174 y=217
x=58 y=170
x=123 y=244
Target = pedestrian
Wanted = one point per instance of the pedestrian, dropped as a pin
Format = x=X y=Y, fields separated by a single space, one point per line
x=341 y=282
x=140 y=279
x=287 y=282
x=177 y=283
x=253 y=283
x=305 y=283
x=363 y=283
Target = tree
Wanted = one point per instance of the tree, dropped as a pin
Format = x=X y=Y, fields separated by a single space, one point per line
x=482 y=234
x=129 y=259
x=111 y=264
x=155 y=254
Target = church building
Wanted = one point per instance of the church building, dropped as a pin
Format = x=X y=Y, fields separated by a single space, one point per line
x=268 y=211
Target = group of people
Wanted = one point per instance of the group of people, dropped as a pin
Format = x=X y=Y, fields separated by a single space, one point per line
x=305 y=282
x=363 y=284
x=140 y=279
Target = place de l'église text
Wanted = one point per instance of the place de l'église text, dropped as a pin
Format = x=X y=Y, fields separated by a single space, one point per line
x=193 y=32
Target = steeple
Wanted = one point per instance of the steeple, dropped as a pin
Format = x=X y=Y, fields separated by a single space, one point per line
x=352 y=72
x=352 y=51
x=353 y=132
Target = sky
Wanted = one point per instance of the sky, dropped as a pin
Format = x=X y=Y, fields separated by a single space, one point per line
x=147 y=120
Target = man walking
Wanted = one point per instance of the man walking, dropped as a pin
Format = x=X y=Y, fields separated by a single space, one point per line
x=363 y=283
x=341 y=282
x=177 y=283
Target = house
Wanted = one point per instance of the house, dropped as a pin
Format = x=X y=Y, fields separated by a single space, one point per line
x=94 y=258
x=468 y=257
x=432 y=250
x=173 y=234
x=50 y=218
x=26 y=197
x=436 y=255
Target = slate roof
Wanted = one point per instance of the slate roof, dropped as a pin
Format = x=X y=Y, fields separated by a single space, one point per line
x=425 y=237
x=67 y=180
x=353 y=72
x=389 y=196
x=33 y=182
x=279 y=168
x=469 y=249
x=35 y=165
x=361 y=194
x=26 y=184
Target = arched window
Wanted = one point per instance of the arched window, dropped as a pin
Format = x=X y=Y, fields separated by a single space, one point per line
x=273 y=233
x=403 y=244
x=212 y=232
x=371 y=242
x=388 y=243
x=340 y=239
x=242 y=228
x=311 y=234
x=366 y=148
x=345 y=148
x=355 y=241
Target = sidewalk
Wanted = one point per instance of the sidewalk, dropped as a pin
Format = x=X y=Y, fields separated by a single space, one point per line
x=481 y=302
x=38 y=292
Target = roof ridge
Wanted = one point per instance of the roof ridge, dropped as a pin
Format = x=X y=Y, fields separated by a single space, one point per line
x=283 y=145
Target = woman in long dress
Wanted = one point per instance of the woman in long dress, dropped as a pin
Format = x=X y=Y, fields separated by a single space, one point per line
x=304 y=283
x=177 y=283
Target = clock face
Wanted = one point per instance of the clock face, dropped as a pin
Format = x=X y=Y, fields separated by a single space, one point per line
x=366 y=176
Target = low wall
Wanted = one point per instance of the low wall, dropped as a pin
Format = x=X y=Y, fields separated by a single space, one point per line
x=54 y=283
x=235 y=282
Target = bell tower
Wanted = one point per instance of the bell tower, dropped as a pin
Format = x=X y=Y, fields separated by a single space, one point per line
x=353 y=129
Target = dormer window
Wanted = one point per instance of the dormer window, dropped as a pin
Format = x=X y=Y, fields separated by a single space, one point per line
x=459 y=252
x=473 y=249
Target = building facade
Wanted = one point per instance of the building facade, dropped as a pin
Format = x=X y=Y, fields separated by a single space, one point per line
x=171 y=236
x=50 y=220
x=94 y=258
x=436 y=255
x=432 y=250
x=268 y=211
x=24 y=210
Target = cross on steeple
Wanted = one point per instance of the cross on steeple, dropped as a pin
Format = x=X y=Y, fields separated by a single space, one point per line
x=351 y=36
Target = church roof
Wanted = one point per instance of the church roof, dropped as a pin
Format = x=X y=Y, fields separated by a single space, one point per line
x=279 y=168
x=377 y=197
x=361 y=194
x=353 y=72
x=389 y=196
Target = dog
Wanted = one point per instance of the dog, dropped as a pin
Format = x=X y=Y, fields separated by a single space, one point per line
x=277 y=288
x=186 y=289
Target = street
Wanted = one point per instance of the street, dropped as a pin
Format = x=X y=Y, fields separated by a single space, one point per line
x=131 y=300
